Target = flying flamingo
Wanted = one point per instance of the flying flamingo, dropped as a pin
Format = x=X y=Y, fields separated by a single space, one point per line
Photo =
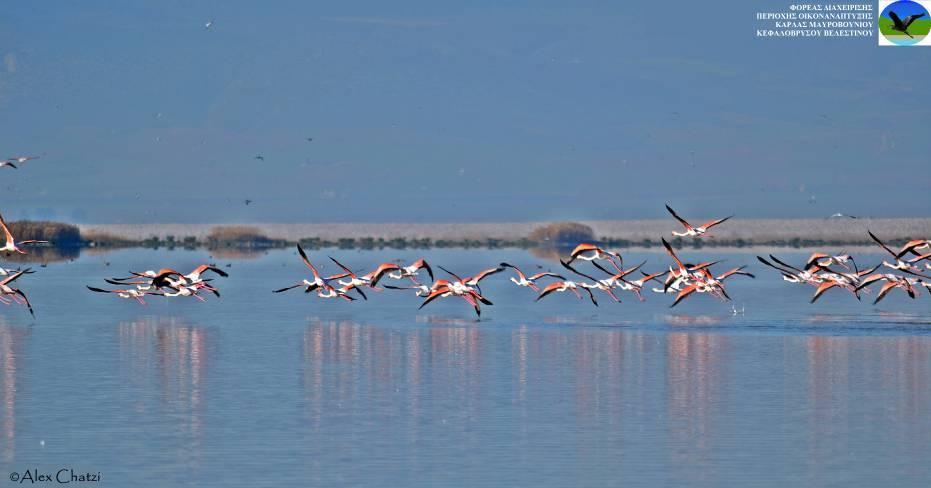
x=163 y=279
x=422 y=290
x=827 y=284
x=194 y=276
x=470 y=282
x=791 y=273
x=17 y=294
x=523 y=280
x=560 y=286
x=153 y=279
x=691 y=231
x=370 y=280
x=636 y=286
x=848 y=280
x=899 y=264
x=591 y=252
x=705 y=282
x=8 y=272
x=824 y=260
x=411 y=271
x=469 y=295
x=697 y=287
x=682 y=273
x=186 y=291
x=618 y=280
x=892 y=281
x=708 y=285
x=328 y=291
x=696 y=279
x=595 y=285
x=132 y=293
x=914 y=246
x=317 y=282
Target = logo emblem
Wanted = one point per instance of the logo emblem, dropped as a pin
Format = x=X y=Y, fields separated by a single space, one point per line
x=904 y=23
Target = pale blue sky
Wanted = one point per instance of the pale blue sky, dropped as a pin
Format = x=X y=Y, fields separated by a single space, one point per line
x=427 y=112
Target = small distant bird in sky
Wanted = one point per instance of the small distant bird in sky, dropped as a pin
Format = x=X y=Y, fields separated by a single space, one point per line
x=260 y=157
x=310 y=139
x=902 y=25
x=12 y=162
x=208 y=25
x=247 y=201
x=22 y=159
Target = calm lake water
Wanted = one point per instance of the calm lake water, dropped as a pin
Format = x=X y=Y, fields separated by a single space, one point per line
x=262 y=389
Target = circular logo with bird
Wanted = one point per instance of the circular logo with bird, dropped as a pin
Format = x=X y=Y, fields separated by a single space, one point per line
x=904 y=23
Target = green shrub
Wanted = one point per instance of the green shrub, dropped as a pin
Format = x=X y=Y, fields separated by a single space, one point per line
x=562 y=234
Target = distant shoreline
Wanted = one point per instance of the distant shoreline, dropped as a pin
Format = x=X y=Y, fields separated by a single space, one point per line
x=620 y=233
x=796 y=233
x=546 y=240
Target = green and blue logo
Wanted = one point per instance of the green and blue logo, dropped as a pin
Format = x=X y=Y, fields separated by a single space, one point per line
x=904 y=23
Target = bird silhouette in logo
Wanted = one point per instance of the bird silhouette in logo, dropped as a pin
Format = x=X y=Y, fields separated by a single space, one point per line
x=902 y=25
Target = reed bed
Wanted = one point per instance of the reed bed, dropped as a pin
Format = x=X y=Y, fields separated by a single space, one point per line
x=57 y=233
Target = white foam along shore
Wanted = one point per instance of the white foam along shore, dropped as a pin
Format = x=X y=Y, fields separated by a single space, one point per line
x=747 y=231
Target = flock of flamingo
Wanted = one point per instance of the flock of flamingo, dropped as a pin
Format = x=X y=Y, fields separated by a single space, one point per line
x=817 y=271
x=683 y=279
x=165 y=282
